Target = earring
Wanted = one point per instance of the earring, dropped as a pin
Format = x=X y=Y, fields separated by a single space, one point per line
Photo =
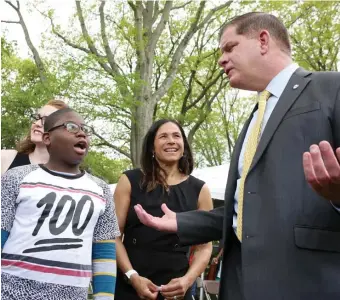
x=153 y=155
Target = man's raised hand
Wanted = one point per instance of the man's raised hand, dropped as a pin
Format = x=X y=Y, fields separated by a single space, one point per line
x=322 y=170
x=166 y=223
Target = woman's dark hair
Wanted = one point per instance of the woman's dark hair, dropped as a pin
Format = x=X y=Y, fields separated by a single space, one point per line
x=153 y=173
x=26 y=145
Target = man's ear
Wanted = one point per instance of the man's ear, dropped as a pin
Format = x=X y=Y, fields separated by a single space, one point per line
x=264 y=38
x=46 y=139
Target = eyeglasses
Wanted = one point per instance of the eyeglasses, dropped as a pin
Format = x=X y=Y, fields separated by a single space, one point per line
x=74 y=128
x=37 y=117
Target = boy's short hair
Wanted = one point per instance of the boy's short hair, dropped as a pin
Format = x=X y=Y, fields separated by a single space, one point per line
x=52 y=119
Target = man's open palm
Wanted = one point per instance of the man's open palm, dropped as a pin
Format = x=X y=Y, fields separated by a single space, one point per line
x=322 y=170
x=166 y=223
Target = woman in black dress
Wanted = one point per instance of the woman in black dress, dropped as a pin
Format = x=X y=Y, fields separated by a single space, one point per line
x=31 y=150
x=148 y=259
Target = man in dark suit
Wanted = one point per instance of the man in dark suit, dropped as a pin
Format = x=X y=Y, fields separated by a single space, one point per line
x=281 y=221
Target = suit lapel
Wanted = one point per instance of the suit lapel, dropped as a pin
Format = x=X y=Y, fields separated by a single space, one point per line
x=294 y=88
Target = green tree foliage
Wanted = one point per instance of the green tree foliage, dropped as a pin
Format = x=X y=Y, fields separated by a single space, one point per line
x=98 y=164
x=21 y=93
x=314 y=28
x=316 y=36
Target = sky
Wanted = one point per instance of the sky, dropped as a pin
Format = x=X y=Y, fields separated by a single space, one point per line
x=35 y=22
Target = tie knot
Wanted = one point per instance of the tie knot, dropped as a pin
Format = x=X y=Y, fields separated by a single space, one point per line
x=264 y=96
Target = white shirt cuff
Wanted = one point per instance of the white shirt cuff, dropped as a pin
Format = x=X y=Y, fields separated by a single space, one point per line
x=336 y=207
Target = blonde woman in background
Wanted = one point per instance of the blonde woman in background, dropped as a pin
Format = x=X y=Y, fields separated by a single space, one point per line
x=31 y=150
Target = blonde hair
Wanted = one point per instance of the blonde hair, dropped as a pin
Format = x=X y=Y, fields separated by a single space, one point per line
x=26 y=145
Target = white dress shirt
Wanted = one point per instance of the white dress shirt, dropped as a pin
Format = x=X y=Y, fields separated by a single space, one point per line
x=275 y=87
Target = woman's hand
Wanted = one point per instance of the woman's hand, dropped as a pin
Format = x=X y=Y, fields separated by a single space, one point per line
x=176 y=288
x=214 y=261
x=144 y=287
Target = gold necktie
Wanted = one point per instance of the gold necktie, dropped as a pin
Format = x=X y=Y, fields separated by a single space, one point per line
x=251 y=145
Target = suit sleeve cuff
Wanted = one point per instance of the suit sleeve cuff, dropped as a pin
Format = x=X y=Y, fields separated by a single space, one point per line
x=336 y=207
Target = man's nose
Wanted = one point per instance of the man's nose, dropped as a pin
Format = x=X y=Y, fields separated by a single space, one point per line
x=223 y=60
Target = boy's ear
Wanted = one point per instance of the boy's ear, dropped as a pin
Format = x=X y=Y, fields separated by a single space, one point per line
x=46 y=139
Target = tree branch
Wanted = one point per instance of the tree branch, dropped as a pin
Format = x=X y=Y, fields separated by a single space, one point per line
x=181 y=6
x=177 y=55
x=107 y=48
x=89 y=41
x=160 y=27
x=156 y=12
x=36 y=56
x=67 y=41
x=181 y=47
x=205 y=89
x=16 y=8
x=188 y=93
x=126 y=37
x=10 y=22
x=105 y=142
x=132 y=5
x=177 y=7
x=204 y=115
x=138 y=16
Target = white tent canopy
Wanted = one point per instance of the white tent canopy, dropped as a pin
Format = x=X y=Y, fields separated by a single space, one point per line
x=214 y=177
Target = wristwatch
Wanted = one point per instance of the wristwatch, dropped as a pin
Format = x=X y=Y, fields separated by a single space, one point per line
x=129 y=273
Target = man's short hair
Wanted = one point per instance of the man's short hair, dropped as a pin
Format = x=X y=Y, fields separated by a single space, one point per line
x=252 y=22
x=53 y=118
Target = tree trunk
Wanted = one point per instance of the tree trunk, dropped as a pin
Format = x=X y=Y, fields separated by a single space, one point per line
x=140 y=124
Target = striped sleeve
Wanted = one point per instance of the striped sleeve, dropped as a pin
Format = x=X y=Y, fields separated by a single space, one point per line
x=4 y=237
x=104 y=269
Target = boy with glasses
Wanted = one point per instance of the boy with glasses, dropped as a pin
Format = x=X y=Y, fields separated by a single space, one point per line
x=55 y=219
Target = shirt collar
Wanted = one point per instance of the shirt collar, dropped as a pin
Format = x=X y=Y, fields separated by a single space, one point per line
x=279 y=82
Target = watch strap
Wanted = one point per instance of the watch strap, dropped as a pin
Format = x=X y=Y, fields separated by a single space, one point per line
x=129 y=273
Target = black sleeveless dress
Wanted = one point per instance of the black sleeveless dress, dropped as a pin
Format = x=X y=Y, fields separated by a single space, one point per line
x=153 y=254
x=21 y=159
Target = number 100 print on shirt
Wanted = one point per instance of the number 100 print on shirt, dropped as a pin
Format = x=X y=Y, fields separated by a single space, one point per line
x=72 y=217
x=62 y=210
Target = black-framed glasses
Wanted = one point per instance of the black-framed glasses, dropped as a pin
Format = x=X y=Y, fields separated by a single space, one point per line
x=72 y=127
x=36 y=117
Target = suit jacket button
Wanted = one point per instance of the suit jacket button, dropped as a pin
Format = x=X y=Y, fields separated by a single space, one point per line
x=176 y=245
x=134 y=241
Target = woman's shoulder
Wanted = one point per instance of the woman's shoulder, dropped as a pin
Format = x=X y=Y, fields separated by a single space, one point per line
x=134 y=174
x=7 y=157
x=8 y=152
x=198 y=183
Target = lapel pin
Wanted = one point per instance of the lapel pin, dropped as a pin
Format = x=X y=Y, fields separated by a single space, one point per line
x=295 y=86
